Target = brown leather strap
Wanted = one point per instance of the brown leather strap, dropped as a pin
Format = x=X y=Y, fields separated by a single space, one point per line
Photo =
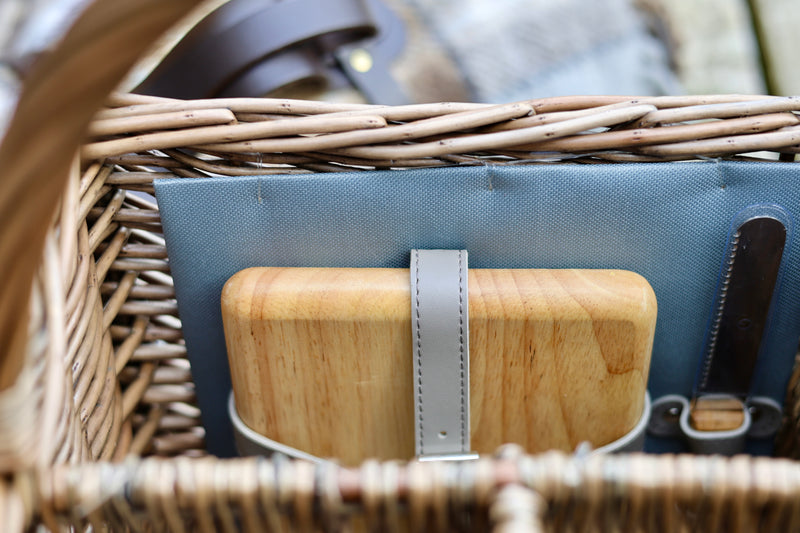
x=376 y=84
x=253 y=47
x=291 y=66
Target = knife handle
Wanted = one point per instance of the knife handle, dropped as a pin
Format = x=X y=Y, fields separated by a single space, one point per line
x=716 y=414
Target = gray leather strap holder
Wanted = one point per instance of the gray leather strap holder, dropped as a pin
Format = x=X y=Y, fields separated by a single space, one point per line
x=440 y=339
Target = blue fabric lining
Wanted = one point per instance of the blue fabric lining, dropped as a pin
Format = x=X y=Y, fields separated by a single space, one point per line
x=666 y=221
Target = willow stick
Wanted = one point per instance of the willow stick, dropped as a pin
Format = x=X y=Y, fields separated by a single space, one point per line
x=503 y=139
x=405 y=132
x=773 y=140
x=617 y=140
x=62 y=91
x=236 y=132
x=165 y=121
x=721 y=110
x=294 y=108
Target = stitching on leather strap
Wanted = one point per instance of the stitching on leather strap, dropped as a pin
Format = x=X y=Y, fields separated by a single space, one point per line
x=461 y=347
x=419 y=351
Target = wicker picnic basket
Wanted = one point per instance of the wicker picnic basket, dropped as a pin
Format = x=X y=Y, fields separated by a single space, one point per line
x=98 y=422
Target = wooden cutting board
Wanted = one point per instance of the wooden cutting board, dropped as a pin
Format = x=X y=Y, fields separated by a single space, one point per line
x=321 y=358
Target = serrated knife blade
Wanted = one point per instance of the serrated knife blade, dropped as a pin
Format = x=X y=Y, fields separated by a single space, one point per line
x=742 y=307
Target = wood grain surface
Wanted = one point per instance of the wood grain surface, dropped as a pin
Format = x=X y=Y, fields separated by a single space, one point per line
x=321 y=358
x=716 y=414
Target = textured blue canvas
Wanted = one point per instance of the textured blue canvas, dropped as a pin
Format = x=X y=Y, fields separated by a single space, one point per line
x=666 y=221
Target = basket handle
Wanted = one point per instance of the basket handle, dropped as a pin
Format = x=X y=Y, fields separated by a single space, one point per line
x=60 y=94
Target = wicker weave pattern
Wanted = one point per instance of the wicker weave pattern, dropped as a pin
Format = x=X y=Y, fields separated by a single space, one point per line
x=60 y=397
x=112 y=360
x=223 y=137
x=317 y=136
x=105 y=374
x=592 y=494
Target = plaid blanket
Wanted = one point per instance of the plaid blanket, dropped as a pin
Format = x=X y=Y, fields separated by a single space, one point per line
x=511 y=50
